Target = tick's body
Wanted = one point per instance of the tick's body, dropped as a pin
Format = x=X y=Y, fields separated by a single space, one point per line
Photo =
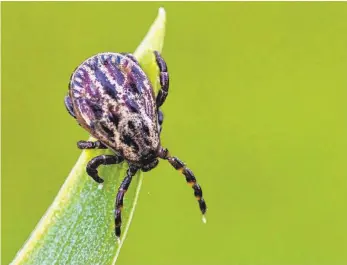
x=112 y=98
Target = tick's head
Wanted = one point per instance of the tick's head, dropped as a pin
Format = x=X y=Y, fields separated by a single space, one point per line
x=139 y=142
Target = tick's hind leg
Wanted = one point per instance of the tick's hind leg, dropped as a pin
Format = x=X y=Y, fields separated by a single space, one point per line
x=163 y=79
x=119 y=199
x=190 y=178
x=91 y=145
x=92 y=167
x=69 y=107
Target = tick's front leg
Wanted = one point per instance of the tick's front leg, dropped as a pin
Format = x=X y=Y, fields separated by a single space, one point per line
x=92 y=167
x=119 y=199
x=91 y=145
x=189 y=175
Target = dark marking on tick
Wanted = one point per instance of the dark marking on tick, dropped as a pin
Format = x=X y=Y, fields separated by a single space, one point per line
x=114 y=119
x=96 y=108
x=133 y=88
x=107 y=130
x=146 y=141
x=106 y=84
x=146 y=129
x=128 y=140
x=131 y=125
x=132 y=105
x=111 y=91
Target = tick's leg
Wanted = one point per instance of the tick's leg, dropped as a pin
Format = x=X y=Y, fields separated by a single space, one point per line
x=163 y=78
x=190 y=178
x=160 y=118
x=119 y=199
x=69 y=107
x=92 y=167
x=91 y=145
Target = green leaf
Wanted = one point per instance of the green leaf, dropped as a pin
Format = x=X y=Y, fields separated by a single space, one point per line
x=78 y=228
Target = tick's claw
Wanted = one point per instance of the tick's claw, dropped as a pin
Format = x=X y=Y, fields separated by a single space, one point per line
x=100 y=186
x=118 y=239
x=100 y=181
x=204 y=219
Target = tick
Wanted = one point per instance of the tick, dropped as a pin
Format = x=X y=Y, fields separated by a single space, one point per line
x=112 y=98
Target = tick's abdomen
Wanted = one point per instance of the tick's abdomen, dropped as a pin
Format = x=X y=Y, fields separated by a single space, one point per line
x=113 y=99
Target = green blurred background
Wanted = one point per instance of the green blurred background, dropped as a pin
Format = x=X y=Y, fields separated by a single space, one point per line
x=257 y=108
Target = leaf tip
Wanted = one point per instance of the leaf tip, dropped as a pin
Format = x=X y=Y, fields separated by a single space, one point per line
x=161 y=12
